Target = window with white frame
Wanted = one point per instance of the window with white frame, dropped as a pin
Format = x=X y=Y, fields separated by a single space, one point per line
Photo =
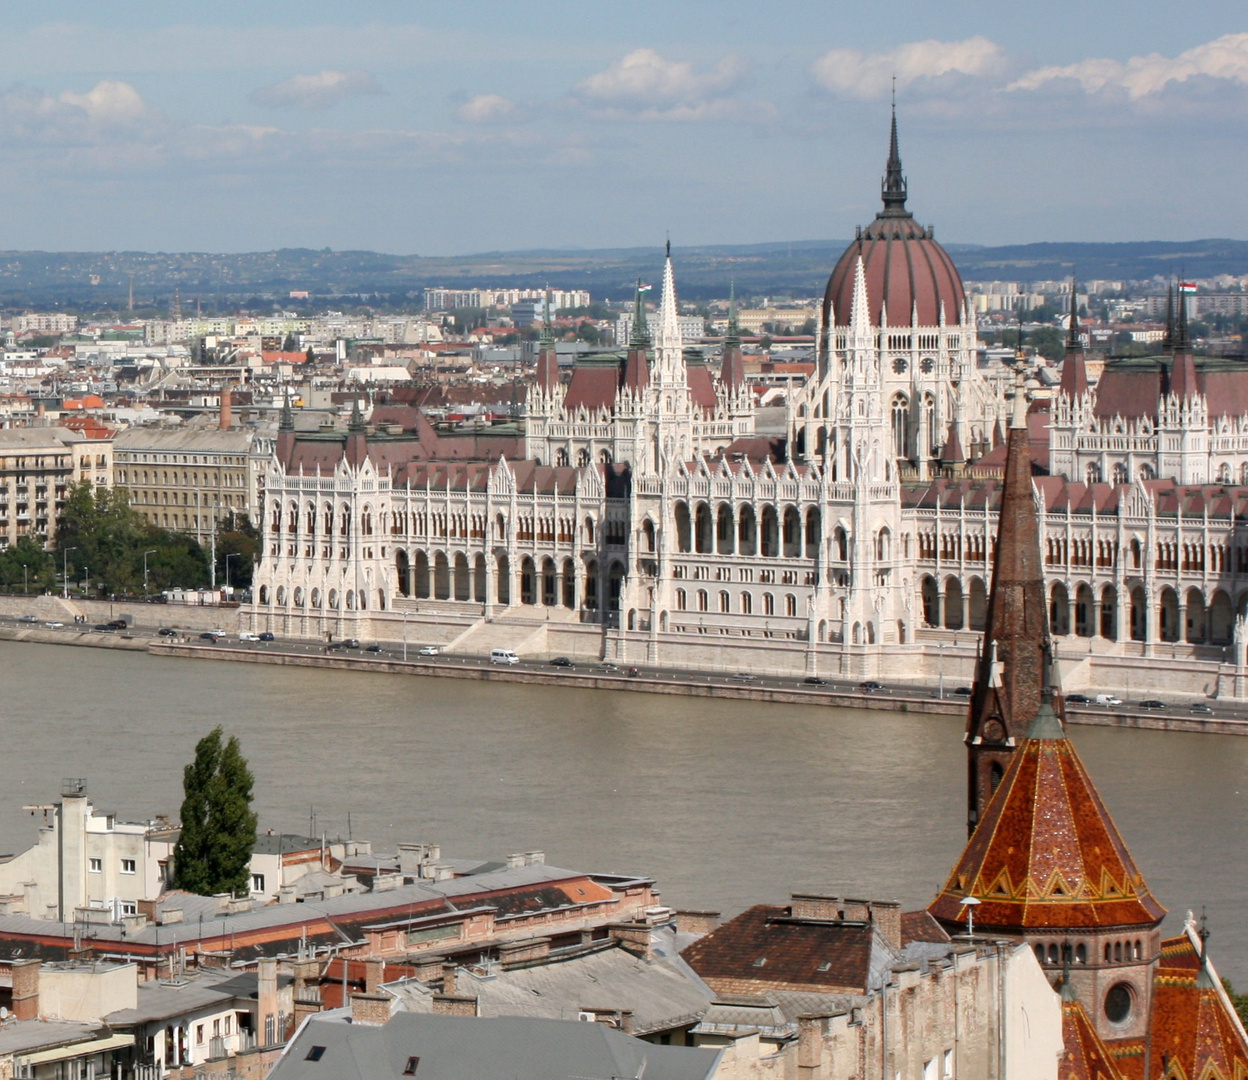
x=257 y=883
x=96 y=866
x=128 y=866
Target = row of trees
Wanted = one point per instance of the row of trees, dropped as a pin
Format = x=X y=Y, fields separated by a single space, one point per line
x=100 y=534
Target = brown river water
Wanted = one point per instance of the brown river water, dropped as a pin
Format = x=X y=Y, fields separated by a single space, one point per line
x=725 y=803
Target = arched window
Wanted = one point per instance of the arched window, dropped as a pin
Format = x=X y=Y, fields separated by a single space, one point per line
x=901 y=426
x=681 y=599
x=725 y=604
x=769 y=604
x=703 y=600
x=747 y=604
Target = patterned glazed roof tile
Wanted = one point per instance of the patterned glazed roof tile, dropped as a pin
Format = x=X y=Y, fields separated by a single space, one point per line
x=1084 y=1055
x=1047 y=855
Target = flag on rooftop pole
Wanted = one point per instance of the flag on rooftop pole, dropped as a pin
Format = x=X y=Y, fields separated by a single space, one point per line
x=1187 y=286
x=644 y=288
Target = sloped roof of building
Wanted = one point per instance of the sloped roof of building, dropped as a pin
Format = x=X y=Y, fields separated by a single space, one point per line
x=1193 y=1020
x=1131 y=387
x=1046 y=854
x=765 y=948
x=1084 y=1055
x=433 y=1047
x=31 y=1036
x=661 y=993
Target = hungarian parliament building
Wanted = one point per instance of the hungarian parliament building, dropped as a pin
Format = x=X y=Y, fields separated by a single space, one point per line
x=641 y=518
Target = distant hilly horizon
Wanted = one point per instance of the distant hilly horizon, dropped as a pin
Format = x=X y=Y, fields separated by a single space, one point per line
x=797 y=267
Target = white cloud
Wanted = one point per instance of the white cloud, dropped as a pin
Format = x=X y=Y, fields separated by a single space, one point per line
x=646 y=84
x=315 y=93
x=854 y=73
x=1141 y=76
x=109 y=110
x=486 y=109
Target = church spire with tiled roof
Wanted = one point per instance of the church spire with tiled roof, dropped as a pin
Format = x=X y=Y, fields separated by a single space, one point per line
x=1011 y=671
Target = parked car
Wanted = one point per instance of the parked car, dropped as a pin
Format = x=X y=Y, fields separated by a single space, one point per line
x=335 y=646
x=608 y=667
x=1153 y=703
x=106 y=627
x=812 y=680
x=428 y=650
x=562 y=661
x=1078 y=699
x=119 y=624
x=266 y=636
x=870 y=687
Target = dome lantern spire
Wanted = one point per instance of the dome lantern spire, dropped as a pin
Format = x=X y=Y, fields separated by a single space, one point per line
x=893 y=190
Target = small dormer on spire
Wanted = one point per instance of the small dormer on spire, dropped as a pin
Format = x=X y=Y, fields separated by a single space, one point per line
x=893 y=189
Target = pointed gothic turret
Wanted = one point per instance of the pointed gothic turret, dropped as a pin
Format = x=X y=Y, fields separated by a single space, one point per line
x=1011 y=668
x=547 y=357
x=1074 y=366
x=357 y=441
x=732 y=372
x=1183 y=368
x=637 y=362
x=285 y=431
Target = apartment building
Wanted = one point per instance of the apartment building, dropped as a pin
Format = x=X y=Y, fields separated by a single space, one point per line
x=191 y=480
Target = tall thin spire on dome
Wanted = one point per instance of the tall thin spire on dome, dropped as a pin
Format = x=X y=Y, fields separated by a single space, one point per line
x=893 y=190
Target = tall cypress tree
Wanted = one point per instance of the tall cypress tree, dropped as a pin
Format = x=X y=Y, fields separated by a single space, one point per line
x=218 y=824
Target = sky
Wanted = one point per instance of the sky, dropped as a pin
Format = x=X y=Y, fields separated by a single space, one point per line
x=472 y=126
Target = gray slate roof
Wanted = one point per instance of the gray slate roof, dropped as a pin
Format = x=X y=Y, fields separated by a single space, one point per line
x=661 y=994
x=458 y=1047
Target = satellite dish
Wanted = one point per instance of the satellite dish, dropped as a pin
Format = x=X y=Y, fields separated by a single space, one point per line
x=970 y=903
x=4 y=1013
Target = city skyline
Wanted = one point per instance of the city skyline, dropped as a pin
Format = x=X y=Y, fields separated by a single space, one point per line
x=447 y=131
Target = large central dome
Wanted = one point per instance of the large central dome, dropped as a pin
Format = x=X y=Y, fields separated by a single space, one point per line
x=905 y=267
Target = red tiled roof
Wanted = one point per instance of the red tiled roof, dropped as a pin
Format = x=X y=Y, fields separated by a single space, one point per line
x=1047 y=855
x=763 y=948
x=1084 y=1055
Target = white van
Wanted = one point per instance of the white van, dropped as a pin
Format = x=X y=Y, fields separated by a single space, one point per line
x=503 y=656
x=1107 y=699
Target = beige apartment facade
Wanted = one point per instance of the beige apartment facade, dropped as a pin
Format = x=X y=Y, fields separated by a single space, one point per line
x=191 y=481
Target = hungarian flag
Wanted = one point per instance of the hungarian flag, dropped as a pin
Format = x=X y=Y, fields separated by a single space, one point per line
x=1187 y=286
x=647 y=288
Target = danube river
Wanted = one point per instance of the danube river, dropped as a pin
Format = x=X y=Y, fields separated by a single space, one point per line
x=726 y=803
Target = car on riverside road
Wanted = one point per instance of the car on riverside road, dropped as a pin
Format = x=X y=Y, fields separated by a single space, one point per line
x=1153 y=703
x=428 y=650
x=562 y=661
x=1201 y=707
x=1078 y=699
x=870 y=687
x=814 y=680
x=266 y=636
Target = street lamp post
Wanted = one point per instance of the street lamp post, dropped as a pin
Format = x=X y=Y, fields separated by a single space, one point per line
x=65 y=571
x=405 y=637
x=152 y=551
x=86 y=572
x=25 y=581
x=228 y=557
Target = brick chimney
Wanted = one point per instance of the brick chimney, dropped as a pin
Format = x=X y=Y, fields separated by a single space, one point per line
x=697 y=922
x=454 y=1005
x=886 y=916
x=26 y=989
x=809 y=1047
x=374 y=974
x=635 y=937
x=448 y=978
x=227 y=412
x=372 y=1009
x=266 y=1002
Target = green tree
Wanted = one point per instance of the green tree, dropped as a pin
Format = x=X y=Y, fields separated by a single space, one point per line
x=1048 y=342
x=218 y=824
x=26 y=565
x=1240 y=1001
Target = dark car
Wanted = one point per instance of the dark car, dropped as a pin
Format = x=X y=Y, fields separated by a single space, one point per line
x=870 y=687
x=118 y=624
x=351 y=643
x=207 y=636
x=1078 y=699
x=1153 y=703
x=108 y=627
x=335 y=646
x=374 y=648
x=633 y=673
x=562 y=661
x=266 y=636
x=1200 y=707
x=812 y=680
x=963 y=691
x=165 y=631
